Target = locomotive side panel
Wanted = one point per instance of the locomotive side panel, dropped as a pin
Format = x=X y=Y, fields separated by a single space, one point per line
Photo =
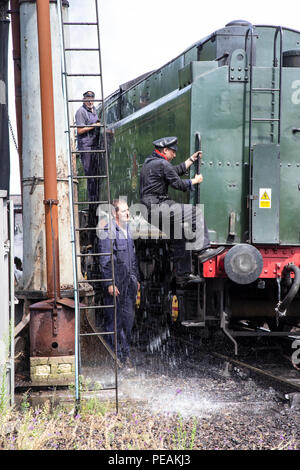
x=218 y=115
x=290 y=158
x=132 y=142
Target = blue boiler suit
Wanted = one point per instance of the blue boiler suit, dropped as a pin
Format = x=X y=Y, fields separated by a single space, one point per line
x=89 y=141
x=126 y=279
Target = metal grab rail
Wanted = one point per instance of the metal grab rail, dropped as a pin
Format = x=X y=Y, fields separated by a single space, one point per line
x=73 y=203
x=275 y=64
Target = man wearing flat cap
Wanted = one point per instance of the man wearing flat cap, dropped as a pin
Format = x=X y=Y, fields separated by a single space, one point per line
x=88 y=126
x=88 y=123
x=157 y=174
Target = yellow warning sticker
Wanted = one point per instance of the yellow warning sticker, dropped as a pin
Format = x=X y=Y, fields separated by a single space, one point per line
x=265 y=198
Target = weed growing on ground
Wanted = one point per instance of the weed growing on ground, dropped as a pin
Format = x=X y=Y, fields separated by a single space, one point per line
x=184 y=440
x=25 y=405
x=4 y=360
x=97 y=426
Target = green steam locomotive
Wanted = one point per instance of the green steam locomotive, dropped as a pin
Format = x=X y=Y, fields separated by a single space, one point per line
x=236 y=95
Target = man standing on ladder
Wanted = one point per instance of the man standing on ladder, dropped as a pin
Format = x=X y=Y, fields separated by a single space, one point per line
x=88 y=133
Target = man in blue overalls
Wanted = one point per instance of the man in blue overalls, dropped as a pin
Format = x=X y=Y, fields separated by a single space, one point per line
x=88 y=123
x=126 y=279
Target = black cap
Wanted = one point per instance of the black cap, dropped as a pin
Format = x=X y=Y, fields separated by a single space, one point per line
x=169 y=142
x=89 y=94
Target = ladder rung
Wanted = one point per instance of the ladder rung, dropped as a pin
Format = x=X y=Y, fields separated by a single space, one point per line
x=100 y=333
x=85 y=125
x=91 y=307
x=91 y=177
x=265 y=89
x=94 y=254
x=78 y=203
x=91 y=228
x=83 y=74
x=82 y=49
x=79 y=24
x=85 y=229
x=88 y=151
x=72 y=126
x=265 y=120
x=81 y=100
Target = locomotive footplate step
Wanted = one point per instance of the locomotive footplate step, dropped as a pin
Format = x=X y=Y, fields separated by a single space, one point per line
x=189 y=279
x=263 y=333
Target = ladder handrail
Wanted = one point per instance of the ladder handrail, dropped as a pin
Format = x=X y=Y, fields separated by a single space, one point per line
x=71 y=200
x=250 y=65
x=72 y=180
x=275 y=64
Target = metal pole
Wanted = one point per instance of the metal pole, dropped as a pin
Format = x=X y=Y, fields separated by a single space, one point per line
x=109 y=201
x=49 y=151
x=250 y=62
x=12 y=303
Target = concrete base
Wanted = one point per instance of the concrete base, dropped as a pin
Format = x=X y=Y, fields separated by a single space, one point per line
x=58 y=370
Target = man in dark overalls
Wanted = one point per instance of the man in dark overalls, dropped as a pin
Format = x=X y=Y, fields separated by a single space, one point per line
x=126 y=279
x=157 y=174
x=88 y=123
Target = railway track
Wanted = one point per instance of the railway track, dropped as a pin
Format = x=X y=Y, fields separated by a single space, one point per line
x=280 y=372
x=288 y=383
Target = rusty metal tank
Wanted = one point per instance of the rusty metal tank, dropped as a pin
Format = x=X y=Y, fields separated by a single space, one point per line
x=52 y=328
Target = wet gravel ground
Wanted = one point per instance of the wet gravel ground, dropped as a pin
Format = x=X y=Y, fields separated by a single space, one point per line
x=217 y=408
x=174 y=397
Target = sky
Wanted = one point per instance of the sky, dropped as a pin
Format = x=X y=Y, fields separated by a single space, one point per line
x=138 y=36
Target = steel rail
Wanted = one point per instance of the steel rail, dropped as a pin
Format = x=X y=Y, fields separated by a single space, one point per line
x=239 y=363
x=257 y=370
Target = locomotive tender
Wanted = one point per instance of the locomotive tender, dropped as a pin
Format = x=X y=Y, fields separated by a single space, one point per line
x=236 y=95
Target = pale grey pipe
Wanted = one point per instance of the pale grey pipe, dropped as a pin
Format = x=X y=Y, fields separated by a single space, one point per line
x=12 y=302
x=71 y=201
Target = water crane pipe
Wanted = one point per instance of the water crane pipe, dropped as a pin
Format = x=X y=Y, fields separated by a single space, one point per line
x=49 y=151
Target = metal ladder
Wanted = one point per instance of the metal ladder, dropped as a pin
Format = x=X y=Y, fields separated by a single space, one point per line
x=273 y=91
x=7 y=326
x=273 y=120
x=101 y=153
